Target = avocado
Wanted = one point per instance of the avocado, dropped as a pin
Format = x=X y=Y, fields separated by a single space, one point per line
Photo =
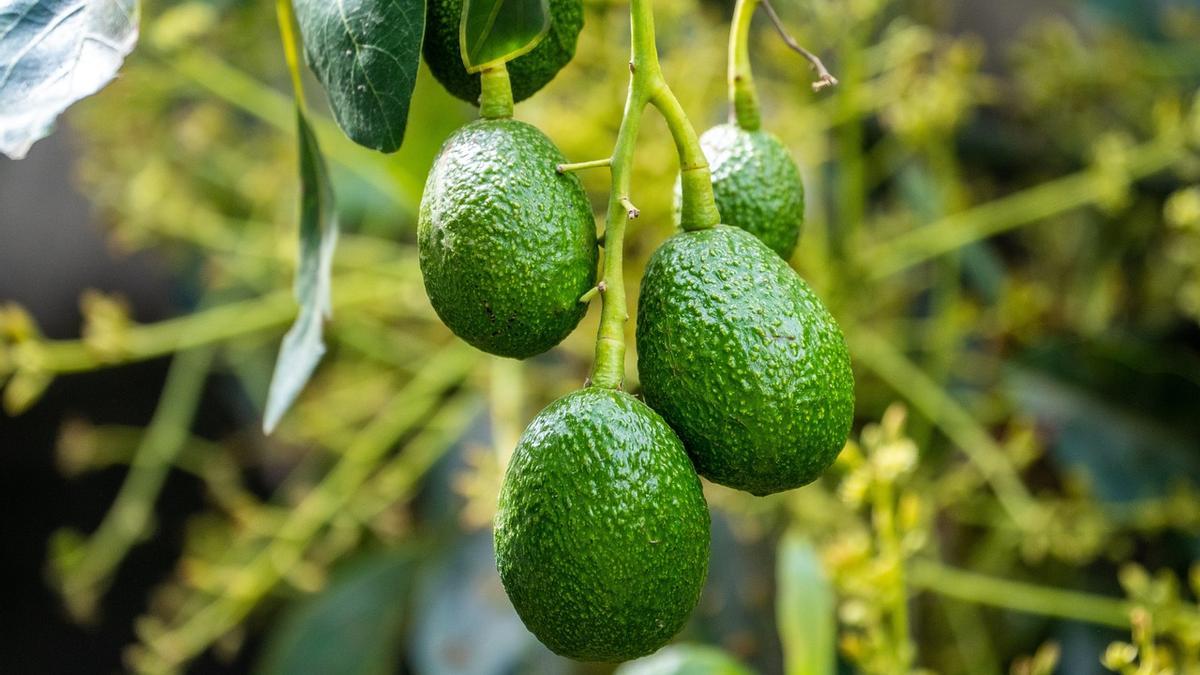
x=507 y=245
x=757 y=185
x=527 y=73
x=602 y=533
x=740 y=357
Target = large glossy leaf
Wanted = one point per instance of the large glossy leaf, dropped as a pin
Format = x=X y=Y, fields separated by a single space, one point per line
x=496 y=31
x=303 y=345
x=685 y=659
x=366 y=53
x=805 y=609
x=53 y=53
x=353 y=627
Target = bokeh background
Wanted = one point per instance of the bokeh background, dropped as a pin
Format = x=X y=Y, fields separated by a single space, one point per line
x=1003 y=213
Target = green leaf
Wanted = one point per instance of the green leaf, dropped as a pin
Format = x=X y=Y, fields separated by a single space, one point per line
x=685 y=659
x=496 y=31
x=366 y=53
x=804 y=609
x=353 y=627
x=303 y=345
x=53 y=53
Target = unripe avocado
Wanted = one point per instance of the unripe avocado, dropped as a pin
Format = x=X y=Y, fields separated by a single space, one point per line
x=739 y=355
x=602 y=532
x=757 y=185
x=527 y=73
x=507 y=244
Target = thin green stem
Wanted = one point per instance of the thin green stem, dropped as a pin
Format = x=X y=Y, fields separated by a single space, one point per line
x=1019 y=596
x=609 y=367
x=286 y=19
x=495 y=99
x=579 y=166
x=698 y=205
x=930 y=400
x=197 y=630
x=1016 y=210
x=742 y=93
x=699 y=210
x=883 y=513
x=226 y=322
x=85 y=573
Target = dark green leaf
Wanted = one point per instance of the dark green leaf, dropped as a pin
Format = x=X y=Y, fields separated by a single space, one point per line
x=353 y=627
x=685 y=659
x=804 y=609
x=496 y=31
x=53 y=53
x=366 y=53
x=303 y=345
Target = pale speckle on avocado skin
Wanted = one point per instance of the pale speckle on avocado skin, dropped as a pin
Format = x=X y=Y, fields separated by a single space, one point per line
x=507 y=245
x=602 y=534
x=743 y=360
x=527 y=73
x=756 y=184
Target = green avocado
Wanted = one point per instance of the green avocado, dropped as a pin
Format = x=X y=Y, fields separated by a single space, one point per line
x=527 y=73
x=602 y=532
x=739 y=355
x=507 y=244
x=757 y=185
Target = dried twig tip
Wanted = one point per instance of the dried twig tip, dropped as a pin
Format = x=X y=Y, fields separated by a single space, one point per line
x=824 y=78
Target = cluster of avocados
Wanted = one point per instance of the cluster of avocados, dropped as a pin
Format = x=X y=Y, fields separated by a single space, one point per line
x=602 y=530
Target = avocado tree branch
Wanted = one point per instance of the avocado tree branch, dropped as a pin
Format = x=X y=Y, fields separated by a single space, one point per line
x=699 y=210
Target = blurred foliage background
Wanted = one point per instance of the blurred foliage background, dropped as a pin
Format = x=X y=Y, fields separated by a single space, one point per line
x=1003 y=213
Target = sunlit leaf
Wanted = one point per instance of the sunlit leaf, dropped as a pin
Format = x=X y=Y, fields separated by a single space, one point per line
x=804 y=609
x=496 y=31
x=685 y=659
x=366 y=53
x=53 y=53
x=353 y=627
x=303 y=345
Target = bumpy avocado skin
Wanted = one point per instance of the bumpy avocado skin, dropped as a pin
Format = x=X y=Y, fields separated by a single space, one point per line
x=507 y=244
x=527 y=73
x=757 y=185
x=602 y=534
x=739 y=355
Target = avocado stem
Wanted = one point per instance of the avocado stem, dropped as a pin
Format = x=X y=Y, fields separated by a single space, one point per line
x=592 y=293
x=743 y=97
x=495 y=98
x=646 y=87
x=579 y=166
x=742 y=94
